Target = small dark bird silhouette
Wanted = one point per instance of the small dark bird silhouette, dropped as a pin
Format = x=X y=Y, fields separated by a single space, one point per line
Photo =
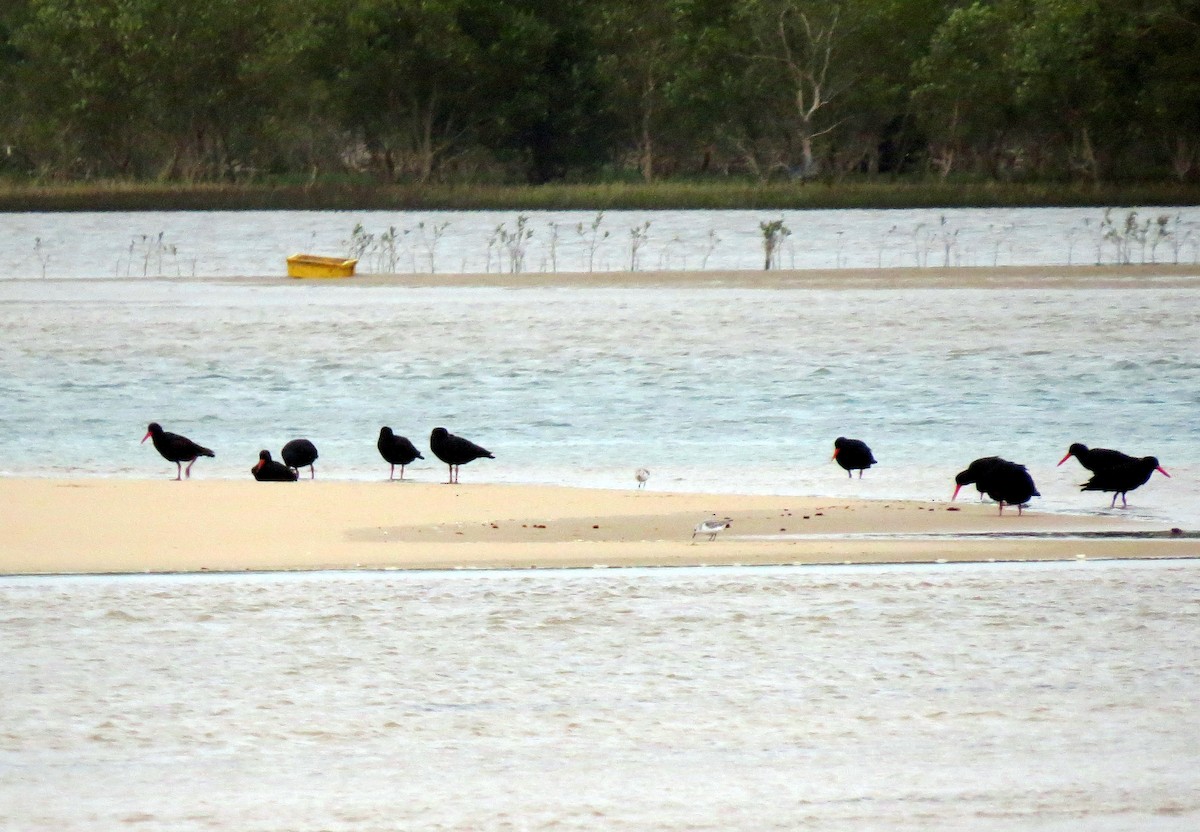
x=175 y=448
x=1005 y=482
x=1095 y=459
x=455 y=451
x=852 y=454
x=268 y=470
x=1122 y=478
x=298 y=453
x=396 y=450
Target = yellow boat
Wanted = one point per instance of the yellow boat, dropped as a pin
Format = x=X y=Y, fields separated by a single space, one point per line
x=313 y=265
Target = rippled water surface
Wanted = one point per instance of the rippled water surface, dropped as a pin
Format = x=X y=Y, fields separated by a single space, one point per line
x=989 y=697
x=216 y=243
x=713 y=388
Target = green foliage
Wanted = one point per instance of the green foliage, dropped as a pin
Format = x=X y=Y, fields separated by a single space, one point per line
x=729 y=192
x=418 y=92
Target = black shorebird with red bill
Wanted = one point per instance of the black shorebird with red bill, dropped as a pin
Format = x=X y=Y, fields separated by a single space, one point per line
x=1095 y=459
x=1008 y=483
x=175 y=448
x=1124 y=478
x=298 y=453
x=455 y=451
x=852 y=455
x=268 y=470
x=396 y=450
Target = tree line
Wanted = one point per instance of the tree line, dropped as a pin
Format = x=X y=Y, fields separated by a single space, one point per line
x=490 y=91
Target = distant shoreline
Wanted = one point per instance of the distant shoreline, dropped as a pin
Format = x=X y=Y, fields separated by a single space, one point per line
x=112 y=526
x=1128 y=276
x=18 y=196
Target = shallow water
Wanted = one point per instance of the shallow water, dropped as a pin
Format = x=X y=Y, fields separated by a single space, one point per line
x=711 y=388
x=986 y=697
x=224 y=243
x=997 y=697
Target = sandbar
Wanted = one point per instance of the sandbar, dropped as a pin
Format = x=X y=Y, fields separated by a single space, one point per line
x=108 y=526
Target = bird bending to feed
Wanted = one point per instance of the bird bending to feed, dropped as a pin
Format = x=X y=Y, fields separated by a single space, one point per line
x=973 y=473
x=1005 y=482
x=396 y=450
x=455 y=451
x=711 y=527
x=176 y=448
x=852 y=454
x=641 y=475
x=1095 y=459
x=298 y=453
x=1122 y=478
x=268 y=470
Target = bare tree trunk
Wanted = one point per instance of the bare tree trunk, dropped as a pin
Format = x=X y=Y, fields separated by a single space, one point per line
x=646 y=140
x=943 y=157
x=1183 y=159
x=942 y=160
x=426 y=152
x=807 y=62
x=1086 y=155
x=808 y=164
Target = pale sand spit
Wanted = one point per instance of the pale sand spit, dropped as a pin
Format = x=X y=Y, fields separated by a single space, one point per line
x=124 y=526
x=1126 y=276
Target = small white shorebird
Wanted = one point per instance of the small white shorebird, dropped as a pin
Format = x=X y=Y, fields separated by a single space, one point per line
x=710 y=527
x=641 y=476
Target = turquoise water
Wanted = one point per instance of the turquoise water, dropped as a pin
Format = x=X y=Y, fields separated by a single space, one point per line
x=715 y=388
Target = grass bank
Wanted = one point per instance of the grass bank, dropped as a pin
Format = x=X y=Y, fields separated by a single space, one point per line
x=131 y=196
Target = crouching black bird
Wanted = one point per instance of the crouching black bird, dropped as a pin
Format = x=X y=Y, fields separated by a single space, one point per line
x=1122 y=478
x=396 y=450
x=455 y=451
x=268 y=470
x=176 y=448
x=1005 y=482
x=852 y=454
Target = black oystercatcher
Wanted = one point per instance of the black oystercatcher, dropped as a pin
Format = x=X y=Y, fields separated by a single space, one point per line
x=1005 y=482
x=396 y=450
x=298 y=453
x=1122 y=478
x=852 y=454
x=455 y=451
x=973 y=474
x=268 y=470
x=175 y=448
x=1095 y=459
